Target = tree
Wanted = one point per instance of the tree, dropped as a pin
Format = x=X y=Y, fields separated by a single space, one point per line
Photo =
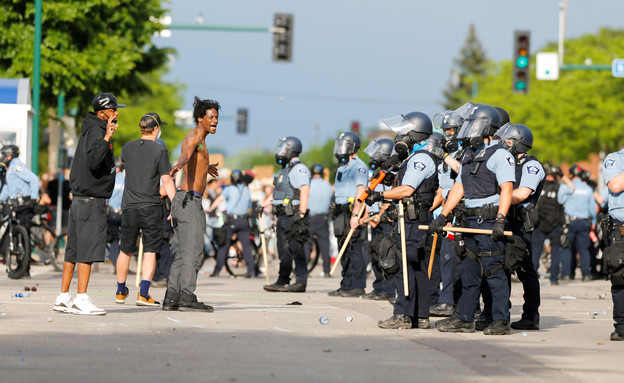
x=88 y=46
x=579 y=114
x=469 y=67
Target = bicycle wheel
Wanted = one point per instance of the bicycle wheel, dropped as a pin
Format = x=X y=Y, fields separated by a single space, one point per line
x=57 y=251
x=17 y=254
x=313 y=256
x=235 y=260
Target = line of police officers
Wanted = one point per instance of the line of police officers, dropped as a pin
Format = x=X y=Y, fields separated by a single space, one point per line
x=479 y=173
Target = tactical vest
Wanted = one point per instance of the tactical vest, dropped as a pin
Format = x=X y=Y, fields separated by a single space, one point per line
x=519 y=167
x=418 y=204
x=550 y=212
x=479 y=181
x=282 y=187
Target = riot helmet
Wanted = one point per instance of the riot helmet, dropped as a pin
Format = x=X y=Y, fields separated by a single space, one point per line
x=552 y=170
x=504 y=116
x=449 y=122
x=9 y=150
x=379 y=151
x=480 y=121
x=434 y=145
x=236 y=177
x=576 y=170
x=317 y=170
x=520 y=136
x=286 y=149
x=410 y=129
x=346 y=145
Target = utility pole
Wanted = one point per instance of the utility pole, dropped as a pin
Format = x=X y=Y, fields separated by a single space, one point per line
x=563 y=14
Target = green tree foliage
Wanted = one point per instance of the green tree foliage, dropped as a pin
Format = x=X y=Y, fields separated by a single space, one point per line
x=471 y=65
x=579 y=114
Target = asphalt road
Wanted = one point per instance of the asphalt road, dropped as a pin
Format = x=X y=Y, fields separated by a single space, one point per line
x=257 y=336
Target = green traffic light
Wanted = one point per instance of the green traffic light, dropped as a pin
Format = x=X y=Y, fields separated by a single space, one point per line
x=521 y=85
x=522 y=62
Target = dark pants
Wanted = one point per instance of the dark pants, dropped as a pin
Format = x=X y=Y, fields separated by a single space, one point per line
x=450 y=271
x=528 y=277
x=617 y=294
x=380 y=284
x=578 y=236
x=319 y=228
x=537 y=245
x=352 y=262
x=472 y=272
x=163 y=261
x=289 y=250
x=113 y=221
x=417 y=303
x=240 y=227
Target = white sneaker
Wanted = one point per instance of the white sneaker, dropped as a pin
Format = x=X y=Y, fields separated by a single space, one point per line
x=63 y=303
x=83 y=306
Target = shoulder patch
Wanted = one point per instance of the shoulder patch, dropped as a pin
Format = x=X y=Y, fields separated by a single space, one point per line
x=609 y=162
x=361 y=170
x=532 y=169
x=303 y=170
x=510 y=160
x=420 y=165
x=19 y=168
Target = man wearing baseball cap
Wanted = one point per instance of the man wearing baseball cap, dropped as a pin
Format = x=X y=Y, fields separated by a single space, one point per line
x=147 y=165
x=92 y=180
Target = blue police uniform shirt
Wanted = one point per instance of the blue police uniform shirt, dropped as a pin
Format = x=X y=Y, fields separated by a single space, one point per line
x=419 y=167
x=532 y=175
x=348 y=177
x=444 y=178
x=614 y=165
x=298 y=176
x=579 y=203
x=115 y=200
x=20 y=180
x=320 y=196
x=238 y=199
x=502 y=164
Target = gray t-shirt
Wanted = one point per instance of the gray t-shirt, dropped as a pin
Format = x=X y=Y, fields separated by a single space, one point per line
x=145 y=162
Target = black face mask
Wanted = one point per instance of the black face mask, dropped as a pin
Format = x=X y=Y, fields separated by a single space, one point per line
x=476 y=142
x=401 y=147
x=342 y=158
x=281 y=160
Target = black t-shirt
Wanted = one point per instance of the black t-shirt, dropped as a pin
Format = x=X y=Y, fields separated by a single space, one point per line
x=145 y=162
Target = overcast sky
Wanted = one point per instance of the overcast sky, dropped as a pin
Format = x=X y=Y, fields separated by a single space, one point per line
x=353 y=59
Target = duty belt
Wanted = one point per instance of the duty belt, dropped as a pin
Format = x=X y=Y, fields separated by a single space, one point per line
x=236 y=216
x=618 y=231
x=486 y=212
x=492 y=253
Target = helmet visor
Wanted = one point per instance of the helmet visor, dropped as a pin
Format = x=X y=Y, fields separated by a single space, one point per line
x=465 y=110
x=343 y=147
x=474 y=128
x=507 y=132
x=398 y=124
x=282 y=148
x=374 y=149
x=439 y=118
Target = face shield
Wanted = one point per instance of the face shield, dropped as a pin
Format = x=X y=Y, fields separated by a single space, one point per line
x=398 y=124
x=377 y=154
x=511 y=138
x=343 y=149
x=474 y=128
x=282 y=152
x=466 y=110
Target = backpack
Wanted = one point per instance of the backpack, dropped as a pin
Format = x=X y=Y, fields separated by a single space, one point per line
x=550 y=212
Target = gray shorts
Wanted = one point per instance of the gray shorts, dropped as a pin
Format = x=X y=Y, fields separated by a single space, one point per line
x=86 y=235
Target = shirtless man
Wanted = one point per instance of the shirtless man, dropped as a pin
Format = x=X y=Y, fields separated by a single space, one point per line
x=189 y=222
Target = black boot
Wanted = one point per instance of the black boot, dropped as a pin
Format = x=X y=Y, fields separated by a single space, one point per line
x=170 y=303
x=188 y=302
x=498 y=327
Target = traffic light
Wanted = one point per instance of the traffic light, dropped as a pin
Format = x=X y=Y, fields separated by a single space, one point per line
x=355 y=127
x=520 y=65
x=241 y=121
x=283 y=37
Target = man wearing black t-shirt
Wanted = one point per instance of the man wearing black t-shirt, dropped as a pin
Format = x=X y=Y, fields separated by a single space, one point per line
x=146 y=163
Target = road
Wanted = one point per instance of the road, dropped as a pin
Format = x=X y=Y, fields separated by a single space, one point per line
x=257 y=336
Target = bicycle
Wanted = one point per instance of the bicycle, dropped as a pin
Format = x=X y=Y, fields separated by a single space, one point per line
x=43 y=238
x=14 y=241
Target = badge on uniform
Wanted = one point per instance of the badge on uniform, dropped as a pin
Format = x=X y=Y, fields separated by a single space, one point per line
x=281 y=177
x=361 y=170
x=510 y=160
x=533 y=170
x=609 y=163
x=419 y=165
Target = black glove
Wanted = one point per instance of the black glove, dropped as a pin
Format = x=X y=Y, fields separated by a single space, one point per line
x=437 y=224
x=259 y=210
x=498 y=229
x=373 y=197
x=388 y=179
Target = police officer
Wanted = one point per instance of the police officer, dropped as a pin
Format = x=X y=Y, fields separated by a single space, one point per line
x=321 y=194
x=550 y=218
x=290 y=203
x=613 y=174
x=238 y=202
x=518 y=139
x=113 y=213
x=450 y=265
x=19 y=179
x=351 y=181
x=380 y=151
x=417 y=183
x=579 y=205
x=486 y=181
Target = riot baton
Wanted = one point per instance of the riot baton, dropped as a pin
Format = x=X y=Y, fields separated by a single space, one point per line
x=264 y=248
x=371 y=218
x=139 y=261
x=433 y=248
x=466 y=230
x=403 y=249
x=346 y=242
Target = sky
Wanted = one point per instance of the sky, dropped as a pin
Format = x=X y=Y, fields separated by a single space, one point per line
x=353 y=60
